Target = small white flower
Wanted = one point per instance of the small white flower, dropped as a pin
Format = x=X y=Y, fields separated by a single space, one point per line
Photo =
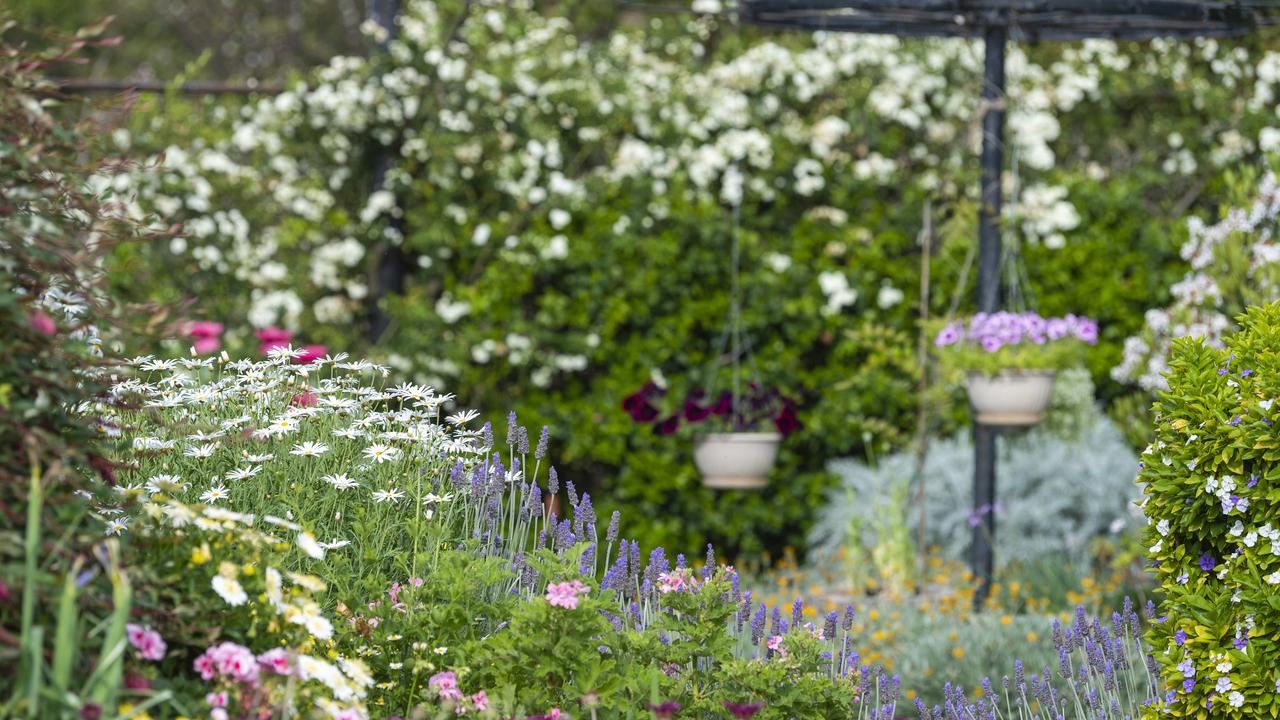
x=201 y=451
x=388 y=495
x=309 y=449
x=264 y=457
x=118 y=525
x=340 y=481
x=440 y=650
x=307 y=543
x=230 y=590
x=244 y=472
x=335 y=544
x=214 y=494
x=462 y=418
x=381 y=453
x=1235 y=699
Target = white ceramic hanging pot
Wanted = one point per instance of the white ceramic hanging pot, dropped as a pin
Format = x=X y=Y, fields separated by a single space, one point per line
x=736 y=460
x=1011 y=397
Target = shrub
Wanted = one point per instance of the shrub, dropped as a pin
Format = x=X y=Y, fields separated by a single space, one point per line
x=1209 y=495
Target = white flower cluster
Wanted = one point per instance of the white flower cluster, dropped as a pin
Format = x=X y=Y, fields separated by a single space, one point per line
x=1239 y=252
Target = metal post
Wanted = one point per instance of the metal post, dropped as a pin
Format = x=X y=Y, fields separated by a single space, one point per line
x=388 y=271
x=984 y=436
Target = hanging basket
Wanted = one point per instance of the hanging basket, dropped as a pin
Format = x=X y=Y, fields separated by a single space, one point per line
x=736 y=460
x=1011 y=397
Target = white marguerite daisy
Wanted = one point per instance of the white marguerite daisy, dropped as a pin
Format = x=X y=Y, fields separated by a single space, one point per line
x=381 y=453
x=230 y=590
x=244 y=472
x=309 y=449
x=388 y=495
x=462 y=418
x=117 y=526
x=340 y=481
x=201 y=451
x=214 y=494
x=308 y=544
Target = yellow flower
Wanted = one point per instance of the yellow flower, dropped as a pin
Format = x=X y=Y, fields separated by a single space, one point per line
x=201 y=555
x=248 y=569
x=957 y=652
x=1032 y=636
x=1006 y=620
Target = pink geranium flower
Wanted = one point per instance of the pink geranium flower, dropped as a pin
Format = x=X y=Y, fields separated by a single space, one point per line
x=565 y=594
x=205 y=335
x=147 y=642
x=445 y=684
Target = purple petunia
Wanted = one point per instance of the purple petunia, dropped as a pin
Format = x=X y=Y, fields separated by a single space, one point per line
x=993 y=331
x=1207 y=562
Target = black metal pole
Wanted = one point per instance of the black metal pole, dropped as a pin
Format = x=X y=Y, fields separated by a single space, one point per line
x=984 y=436
x=388 y=270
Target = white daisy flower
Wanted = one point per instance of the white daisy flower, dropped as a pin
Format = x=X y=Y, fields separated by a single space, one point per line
x=335 y=544
x=201 y=451
x=168 y=484
x=308 y=544
x=244 y=472
x=381 y=453
x=388 y=495
x=264 y=457
x=309 y=449
x=230 y=590
x=349 y=432
x=462 y=418
x=340 y=481
x=117 y=526
x=214 y=494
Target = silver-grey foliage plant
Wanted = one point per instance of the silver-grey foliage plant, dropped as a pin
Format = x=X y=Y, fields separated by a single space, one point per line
x=1055 y=494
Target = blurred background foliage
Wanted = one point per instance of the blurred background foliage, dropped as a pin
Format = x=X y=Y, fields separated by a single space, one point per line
x=655 y=299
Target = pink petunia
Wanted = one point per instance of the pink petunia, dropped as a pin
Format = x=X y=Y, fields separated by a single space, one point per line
x=271 y=338
x=206 y=345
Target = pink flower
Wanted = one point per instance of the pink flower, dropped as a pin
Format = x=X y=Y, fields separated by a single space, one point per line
x=311 y=353
x=42 y=323
x=306 y=398
x=446 y=686
x=565 y=594
x=275 y=660
x=675 y=581
x=480 y=701
x=204 y=666
x=204 y=329
x=147 y=642
x=774 y=642
x=216 y=699
x=206 y=345
x=271 y=338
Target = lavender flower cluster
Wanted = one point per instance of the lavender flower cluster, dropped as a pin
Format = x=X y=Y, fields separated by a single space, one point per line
x=1103 y=671
x=992 y=331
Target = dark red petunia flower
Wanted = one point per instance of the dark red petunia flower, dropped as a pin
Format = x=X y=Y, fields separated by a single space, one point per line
x=664 y=710
x=693 y=412
x=743 y=711
x=668 y=426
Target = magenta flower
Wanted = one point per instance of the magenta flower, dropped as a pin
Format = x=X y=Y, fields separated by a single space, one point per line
x=271 y=338
x=664 y=710
x=311 y=353
x=742 y=711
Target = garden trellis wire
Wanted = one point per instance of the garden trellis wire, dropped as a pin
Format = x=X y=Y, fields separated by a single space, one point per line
x=998 y=22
